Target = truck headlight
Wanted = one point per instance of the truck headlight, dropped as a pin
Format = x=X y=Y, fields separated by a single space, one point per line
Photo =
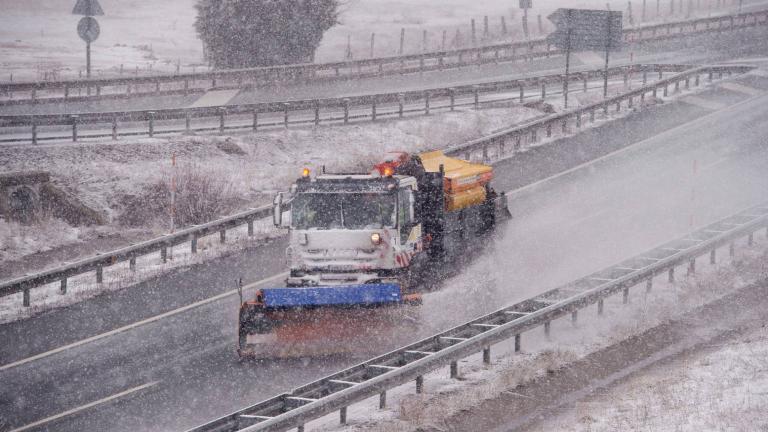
x=376 y=238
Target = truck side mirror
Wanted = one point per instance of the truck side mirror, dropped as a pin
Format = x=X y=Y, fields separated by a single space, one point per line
x=277 y=210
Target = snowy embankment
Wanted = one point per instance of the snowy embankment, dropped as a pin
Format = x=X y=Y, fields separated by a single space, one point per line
x=730 y=382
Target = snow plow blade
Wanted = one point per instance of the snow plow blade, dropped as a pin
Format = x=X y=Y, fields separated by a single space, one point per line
x=316 y=321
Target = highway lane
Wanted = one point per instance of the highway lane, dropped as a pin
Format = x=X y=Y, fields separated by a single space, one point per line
x=696 y=49
x=564 y=228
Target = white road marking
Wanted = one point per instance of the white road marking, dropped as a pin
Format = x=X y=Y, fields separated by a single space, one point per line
x=713 y=164
x=84 y=407
x=739 y=88
x=703 y=103
x=139 y=323
x=698 y=121
x=215 y=98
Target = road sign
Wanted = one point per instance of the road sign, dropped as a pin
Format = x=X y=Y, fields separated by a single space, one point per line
x=87 y=8
x=586 y=30
x=88 y=29
x=526 y=4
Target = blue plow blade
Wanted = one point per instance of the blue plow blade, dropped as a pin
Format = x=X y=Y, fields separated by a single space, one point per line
x=343 y=295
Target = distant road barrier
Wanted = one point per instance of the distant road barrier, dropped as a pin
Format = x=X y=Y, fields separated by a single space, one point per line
x=31 y=128
x=510 y=140
x=182 y=84
x=411 y=363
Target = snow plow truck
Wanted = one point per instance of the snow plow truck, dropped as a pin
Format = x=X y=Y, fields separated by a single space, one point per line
x=361 y=247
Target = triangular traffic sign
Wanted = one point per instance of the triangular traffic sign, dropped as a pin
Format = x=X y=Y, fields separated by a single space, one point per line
x=87 y=8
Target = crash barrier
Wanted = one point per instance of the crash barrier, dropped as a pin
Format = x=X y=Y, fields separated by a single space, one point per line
x=517 y=136
x=183 y=84
x=411 y=363
x=29 y=128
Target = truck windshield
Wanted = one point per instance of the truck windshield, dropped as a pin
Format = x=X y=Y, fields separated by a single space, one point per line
x=343 y=210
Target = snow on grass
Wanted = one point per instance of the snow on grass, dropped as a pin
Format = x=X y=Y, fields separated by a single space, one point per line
x=38 y=38
x=445 y=397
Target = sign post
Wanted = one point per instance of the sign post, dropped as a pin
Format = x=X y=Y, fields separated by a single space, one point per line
x=88 y=28
x=525 y=5
x=585 y=30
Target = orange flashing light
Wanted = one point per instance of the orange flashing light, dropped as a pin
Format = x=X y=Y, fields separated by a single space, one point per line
x=305 y=172
x=388 y=171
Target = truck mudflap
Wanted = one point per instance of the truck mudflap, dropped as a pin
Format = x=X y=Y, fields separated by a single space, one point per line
x=501 y=207
x=317 y=321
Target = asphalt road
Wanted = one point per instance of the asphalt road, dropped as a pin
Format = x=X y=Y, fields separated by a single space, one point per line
x=179 y=370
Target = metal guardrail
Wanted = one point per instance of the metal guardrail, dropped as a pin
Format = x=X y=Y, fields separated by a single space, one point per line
x=500 y=140
x=249 y=114
x=376 y=376
x=524 y=50
x=517 y=137
x=189 y=235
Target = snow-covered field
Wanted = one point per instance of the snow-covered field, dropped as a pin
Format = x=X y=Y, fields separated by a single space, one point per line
x=38 y=38
x=730 y=382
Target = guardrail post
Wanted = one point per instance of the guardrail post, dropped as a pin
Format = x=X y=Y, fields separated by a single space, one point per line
x=645 y=77
x=34 y=130
x=487 y=355
x=222 y=236
x=132 y=264
x=543 y=91
x=522 y=95
x=476 y=95
x=574 y=317
x=74 y=128
x=373 y=109
x=626 y=78
x=250 y=228
x=732 y=250
x=618 y=106
x=34 y=95
x=625 y=296
x=677 y=86
x=661 y=74
x=655 y=90
x=316 y=104
x=151 y=119
x=25 y=298
x=713 y=256
x=518 y=342
x=751 y=239
x=66 y=91
x=452 y=92
x=454 y=370
x=400 y=102
x=382 y=400
x=666 y=90
x=419 y=384
x=157 y=86
x=697 y=81
x=343 y=415
x=549 y=130
x=709 y=76
x=286 y=108
x=99 y=274
x=63 y=286
x=578 y=120
x=345 y=103
x=222 y=112
x=534 y=137
x=193 y=245
x=630 y=102
x=255 y=120
x=186 y=87
x=592 y=116
x=114 y=128
x=426 y=103
x=692 y=266
x=642 y=99
x=564 y=126
x=687 y=83
x=164 y=254
x=671 y=278
x=547 y=329
x=300 y=428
